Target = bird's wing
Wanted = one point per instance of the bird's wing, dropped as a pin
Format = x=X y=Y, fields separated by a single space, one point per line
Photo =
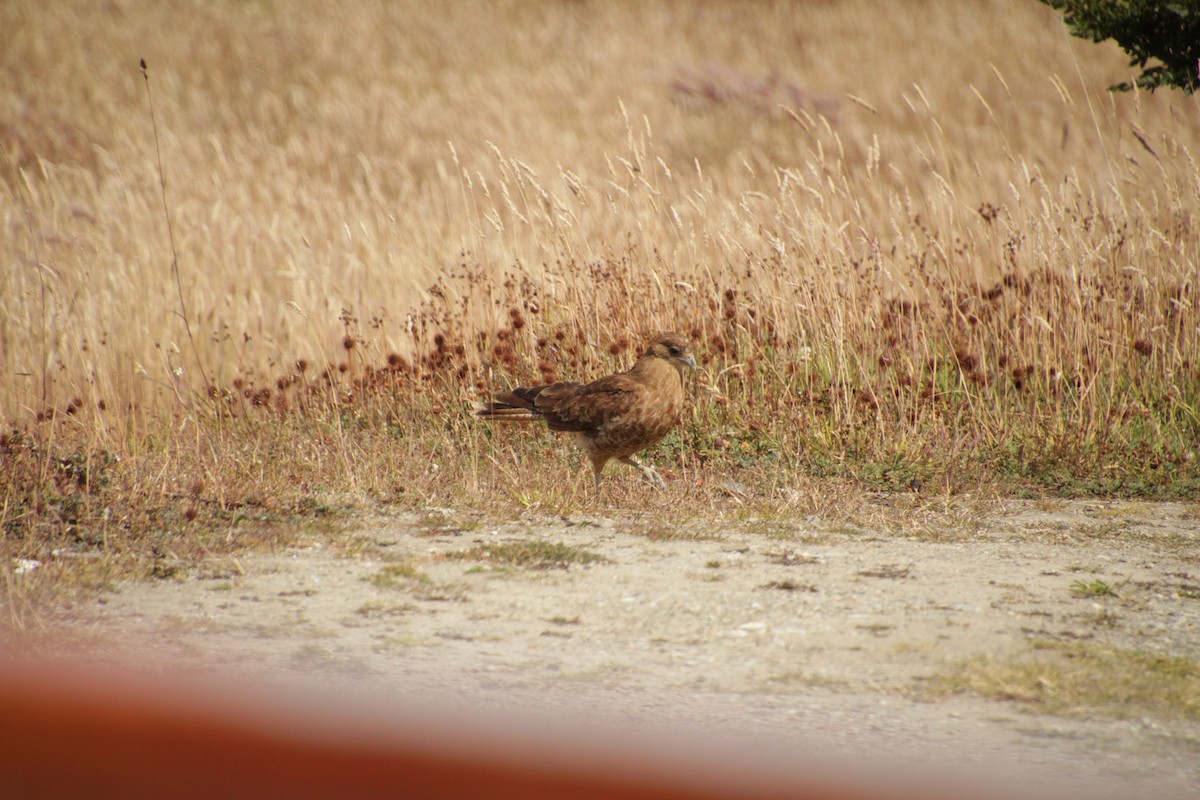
x=520 y=404
x=527 y=397
x=588 y=407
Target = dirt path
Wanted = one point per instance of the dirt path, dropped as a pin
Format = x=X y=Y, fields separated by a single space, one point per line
x=791 y=635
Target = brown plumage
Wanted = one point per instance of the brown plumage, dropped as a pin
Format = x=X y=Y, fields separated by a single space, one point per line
x=613 y=417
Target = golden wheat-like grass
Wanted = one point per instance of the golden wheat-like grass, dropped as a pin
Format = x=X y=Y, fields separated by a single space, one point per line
x=905 y=242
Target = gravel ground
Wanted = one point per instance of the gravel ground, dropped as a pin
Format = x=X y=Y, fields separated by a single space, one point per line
x=801 y=639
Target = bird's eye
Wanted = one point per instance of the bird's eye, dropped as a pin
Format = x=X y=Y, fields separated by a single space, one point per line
x=673 y=350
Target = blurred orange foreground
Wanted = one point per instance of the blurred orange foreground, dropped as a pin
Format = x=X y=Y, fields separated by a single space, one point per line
x=76 y=731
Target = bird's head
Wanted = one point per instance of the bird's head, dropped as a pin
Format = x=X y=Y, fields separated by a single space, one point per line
x=673 y=347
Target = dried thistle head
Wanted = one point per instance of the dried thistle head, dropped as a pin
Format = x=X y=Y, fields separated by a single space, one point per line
x=965 y=359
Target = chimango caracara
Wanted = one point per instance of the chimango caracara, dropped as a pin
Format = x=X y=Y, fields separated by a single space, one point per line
x=613 y=417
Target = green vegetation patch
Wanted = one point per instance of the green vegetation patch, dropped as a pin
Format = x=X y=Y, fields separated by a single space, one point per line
x=532 y=555
x=1082 y=679
x=399 y=576
x=1093 y=588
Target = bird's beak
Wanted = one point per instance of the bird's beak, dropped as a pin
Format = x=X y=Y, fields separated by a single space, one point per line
x=690 y=361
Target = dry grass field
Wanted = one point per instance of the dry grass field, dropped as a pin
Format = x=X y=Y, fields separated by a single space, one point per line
x=918 y=246
x=943 y=286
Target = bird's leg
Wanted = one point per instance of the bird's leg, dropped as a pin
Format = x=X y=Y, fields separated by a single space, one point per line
x=648 y=472
x=598 y=469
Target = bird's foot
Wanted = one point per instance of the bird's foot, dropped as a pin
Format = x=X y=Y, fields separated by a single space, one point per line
x=648 y=472
x=651 y=475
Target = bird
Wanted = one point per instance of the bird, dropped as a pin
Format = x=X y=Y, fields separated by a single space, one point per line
x=614 y=417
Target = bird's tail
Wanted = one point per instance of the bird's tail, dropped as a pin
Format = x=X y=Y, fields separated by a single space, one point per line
x=519 y=405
